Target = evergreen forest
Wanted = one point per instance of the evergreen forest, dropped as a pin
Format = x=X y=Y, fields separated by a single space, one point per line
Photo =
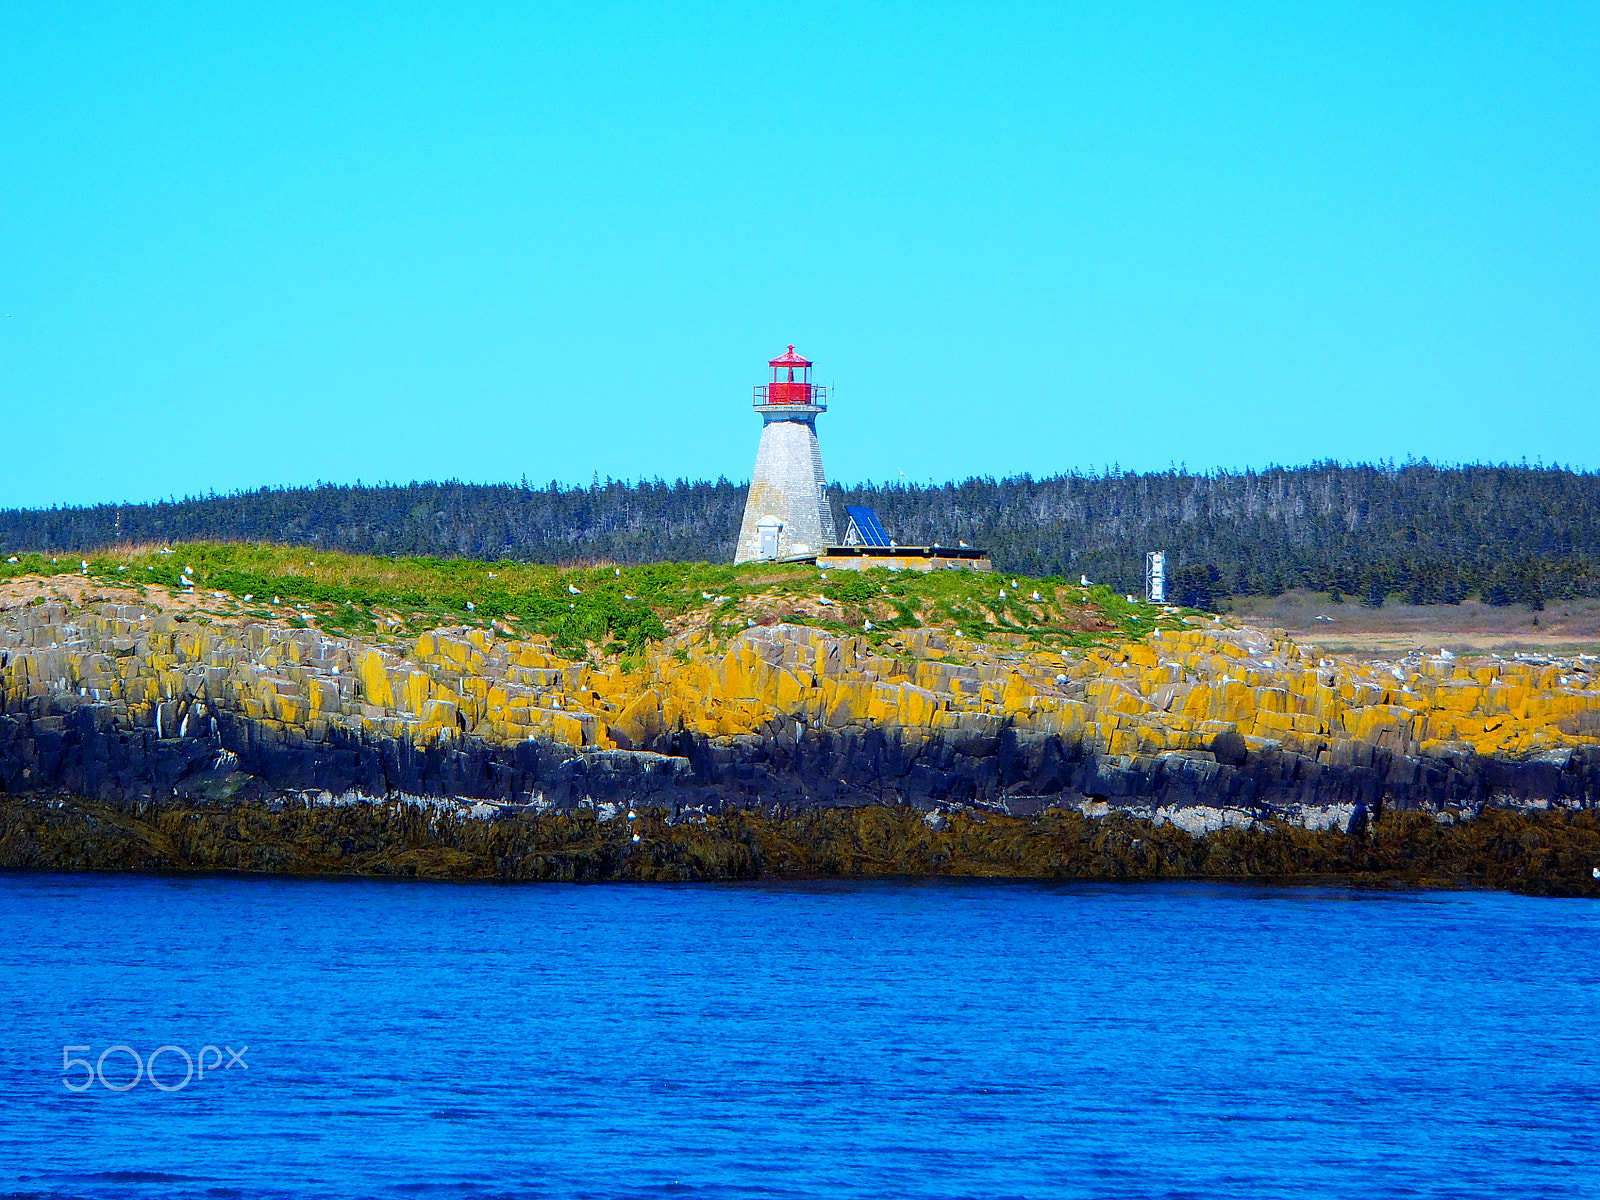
x=1412 y=532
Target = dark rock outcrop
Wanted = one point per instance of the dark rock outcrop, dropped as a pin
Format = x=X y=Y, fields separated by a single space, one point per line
x=67 y=744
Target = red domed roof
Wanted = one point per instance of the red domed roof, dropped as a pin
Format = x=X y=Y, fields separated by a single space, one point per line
x=790 y=359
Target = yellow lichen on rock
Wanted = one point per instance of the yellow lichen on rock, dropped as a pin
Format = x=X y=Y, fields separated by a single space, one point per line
x=1177 y=690
x=374 y=679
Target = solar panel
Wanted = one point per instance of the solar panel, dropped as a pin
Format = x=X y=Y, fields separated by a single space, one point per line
x=865 y=528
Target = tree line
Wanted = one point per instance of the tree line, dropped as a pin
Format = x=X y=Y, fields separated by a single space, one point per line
x=1416 y=532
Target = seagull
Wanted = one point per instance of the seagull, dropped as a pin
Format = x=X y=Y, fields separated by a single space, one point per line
x=13 y=558
x=1013 y=583
x=703 y=595
x=962 y=544
x=1036 y=597
x=491 y=575
x=1083 y=581
x=471 y=607
x=866 y=625
x=573 y=590
x=618 y=570
x=1002 y=593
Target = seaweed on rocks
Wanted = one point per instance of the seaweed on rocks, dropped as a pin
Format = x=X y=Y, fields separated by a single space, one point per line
x=1538 y=853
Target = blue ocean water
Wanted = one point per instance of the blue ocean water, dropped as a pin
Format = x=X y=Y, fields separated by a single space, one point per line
x=885 y=1039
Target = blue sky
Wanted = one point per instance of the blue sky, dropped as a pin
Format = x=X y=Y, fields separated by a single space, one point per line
x=244 y=245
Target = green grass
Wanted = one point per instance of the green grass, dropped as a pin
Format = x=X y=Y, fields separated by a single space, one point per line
x=613 y=611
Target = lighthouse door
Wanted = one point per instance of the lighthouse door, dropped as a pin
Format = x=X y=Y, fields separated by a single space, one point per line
x=767 y=531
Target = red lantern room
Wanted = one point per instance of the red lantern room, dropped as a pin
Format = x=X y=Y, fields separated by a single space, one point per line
x=789 y=389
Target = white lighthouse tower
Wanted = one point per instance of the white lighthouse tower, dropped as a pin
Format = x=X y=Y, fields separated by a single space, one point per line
x=786 y=514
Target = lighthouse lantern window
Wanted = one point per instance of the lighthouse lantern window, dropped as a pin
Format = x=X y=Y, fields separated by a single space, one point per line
x=791 y=382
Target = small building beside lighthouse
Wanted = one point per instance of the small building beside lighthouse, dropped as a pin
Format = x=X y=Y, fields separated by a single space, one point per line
x=786 y=515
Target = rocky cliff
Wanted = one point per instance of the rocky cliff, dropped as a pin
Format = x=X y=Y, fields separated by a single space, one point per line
x=1196 y=725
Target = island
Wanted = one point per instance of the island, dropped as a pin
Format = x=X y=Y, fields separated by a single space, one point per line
x=237 y=707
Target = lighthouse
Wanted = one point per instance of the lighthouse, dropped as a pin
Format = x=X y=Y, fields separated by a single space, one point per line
x=786 y=514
